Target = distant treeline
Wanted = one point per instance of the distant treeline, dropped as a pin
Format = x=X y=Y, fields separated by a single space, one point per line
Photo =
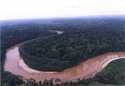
x=18 y=33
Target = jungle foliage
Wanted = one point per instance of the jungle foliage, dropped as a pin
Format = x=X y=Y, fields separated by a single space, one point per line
x=59 y=52
x=89 y=28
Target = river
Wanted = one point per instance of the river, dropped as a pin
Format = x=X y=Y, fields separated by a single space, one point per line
x=86 y=69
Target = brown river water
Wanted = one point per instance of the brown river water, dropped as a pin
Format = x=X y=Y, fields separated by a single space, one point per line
x=85 y=70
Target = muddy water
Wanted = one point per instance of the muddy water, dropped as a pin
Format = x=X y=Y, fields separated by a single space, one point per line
x=87 y=69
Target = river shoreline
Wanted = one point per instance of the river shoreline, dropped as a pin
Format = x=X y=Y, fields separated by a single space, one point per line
x=85 y=70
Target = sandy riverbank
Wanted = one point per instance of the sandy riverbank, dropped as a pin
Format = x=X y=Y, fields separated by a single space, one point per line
x=87 y=69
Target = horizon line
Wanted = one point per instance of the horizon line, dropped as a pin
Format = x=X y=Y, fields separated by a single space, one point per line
x=63 y=17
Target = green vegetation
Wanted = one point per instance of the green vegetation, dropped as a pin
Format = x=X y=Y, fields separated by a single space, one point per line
x=114 y=73
x=12 y=80
x=109 y=31
x=11 y=35
x=58 y=52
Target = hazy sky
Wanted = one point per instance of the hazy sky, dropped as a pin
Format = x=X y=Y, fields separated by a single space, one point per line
x=21 y=9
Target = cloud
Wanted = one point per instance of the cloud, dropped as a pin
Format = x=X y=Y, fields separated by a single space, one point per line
x=21 y=9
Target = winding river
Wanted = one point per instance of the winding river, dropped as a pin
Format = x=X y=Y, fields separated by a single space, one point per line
x=85 y=70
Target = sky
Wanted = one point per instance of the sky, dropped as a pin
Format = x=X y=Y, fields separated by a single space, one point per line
x=29 y=9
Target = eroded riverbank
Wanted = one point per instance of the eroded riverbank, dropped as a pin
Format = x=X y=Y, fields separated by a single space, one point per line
x=87 y=69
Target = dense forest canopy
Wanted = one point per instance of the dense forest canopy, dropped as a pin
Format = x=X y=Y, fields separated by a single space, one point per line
x=110 y=31
x=66 y=50
x=113 y=73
